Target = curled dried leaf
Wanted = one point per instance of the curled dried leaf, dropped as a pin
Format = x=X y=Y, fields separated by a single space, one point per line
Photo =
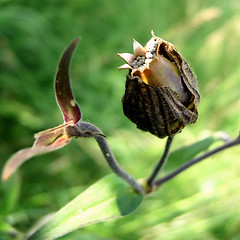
x=64 y=95
x=23 y=155
x=46 y=141
x=57 y=137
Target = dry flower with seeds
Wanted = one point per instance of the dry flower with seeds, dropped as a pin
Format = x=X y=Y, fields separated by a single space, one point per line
x=161 y=94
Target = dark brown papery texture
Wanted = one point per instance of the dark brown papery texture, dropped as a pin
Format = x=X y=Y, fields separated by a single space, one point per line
x=159 y=109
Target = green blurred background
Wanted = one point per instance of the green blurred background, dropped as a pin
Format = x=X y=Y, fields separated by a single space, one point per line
x=202 y=203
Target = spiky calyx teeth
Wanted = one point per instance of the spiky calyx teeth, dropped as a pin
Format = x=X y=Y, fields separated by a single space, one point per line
x=138 y=49
x=152 y=67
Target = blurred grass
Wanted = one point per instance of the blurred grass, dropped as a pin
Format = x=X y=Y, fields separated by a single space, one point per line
x=203 y=203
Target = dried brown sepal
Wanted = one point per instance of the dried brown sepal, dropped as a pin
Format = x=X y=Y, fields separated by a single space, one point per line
x=161 y=95
x=155 y=109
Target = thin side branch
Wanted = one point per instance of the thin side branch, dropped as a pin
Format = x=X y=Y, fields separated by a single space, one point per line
x=192 y=162
x=161 y=162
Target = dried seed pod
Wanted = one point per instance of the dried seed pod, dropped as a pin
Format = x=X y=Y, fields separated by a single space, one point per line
x=161 y=94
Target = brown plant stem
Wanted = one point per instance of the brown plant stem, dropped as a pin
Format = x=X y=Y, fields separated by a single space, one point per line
x=192 y=162
x=84 y=127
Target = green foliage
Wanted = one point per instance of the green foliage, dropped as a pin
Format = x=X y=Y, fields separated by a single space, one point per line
x=107 y=199
x=203 y=202
x=188 y=152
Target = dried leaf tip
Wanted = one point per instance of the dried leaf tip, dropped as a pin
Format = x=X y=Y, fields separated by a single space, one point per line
x=64 y=96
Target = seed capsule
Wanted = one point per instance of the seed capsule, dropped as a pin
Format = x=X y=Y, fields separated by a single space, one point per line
x=161 y=92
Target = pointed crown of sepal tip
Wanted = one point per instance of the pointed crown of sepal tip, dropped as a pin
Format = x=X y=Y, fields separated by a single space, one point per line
x=128 y=58
x=138 y=49
x=125 y=66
